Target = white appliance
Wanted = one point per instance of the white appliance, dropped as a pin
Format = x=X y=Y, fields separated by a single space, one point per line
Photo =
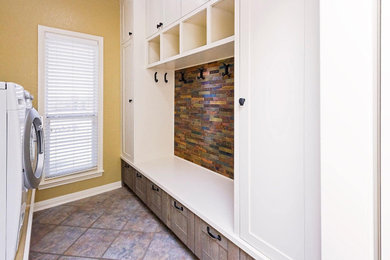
x=21 y=161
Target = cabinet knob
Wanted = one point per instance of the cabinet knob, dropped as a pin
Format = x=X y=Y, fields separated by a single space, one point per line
x=130 y=33
x=130 y=100
x=241 y=101
x=159 y=25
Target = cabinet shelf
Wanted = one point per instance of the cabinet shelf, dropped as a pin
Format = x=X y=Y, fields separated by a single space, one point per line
x=214 y=51
x=170 y=44
x=221 y=20
x=154 y=49
x=193 y=32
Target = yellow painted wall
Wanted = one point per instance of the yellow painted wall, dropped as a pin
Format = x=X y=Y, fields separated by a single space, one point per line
x=19 y=21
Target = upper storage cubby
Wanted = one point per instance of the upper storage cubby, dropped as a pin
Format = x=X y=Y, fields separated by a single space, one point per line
x=154 y=50
x=221 y=20
x=194 y=31
x=203 y=35
x=171 y=42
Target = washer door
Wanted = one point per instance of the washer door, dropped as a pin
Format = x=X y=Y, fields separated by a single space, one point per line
x=33 y=150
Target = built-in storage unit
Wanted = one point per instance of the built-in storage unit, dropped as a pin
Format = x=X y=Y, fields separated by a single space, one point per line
x=154 y=49
x=202 y=238
x=272 y=207
x=204 y=35
x=170 y=43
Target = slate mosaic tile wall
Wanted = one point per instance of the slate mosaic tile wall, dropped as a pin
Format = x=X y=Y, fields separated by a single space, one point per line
x=204 y=117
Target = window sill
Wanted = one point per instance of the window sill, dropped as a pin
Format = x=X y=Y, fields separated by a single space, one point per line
x=50 y=183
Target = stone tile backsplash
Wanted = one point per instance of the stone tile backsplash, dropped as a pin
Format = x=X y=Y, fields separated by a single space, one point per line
x=204 y=116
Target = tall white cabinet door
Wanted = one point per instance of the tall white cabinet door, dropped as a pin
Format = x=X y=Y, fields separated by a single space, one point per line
x=385 y=130
x=273 y=179
x=127 y=102
x=126 y=20
x=189 y=5
x=172 y=11
x=154 y=16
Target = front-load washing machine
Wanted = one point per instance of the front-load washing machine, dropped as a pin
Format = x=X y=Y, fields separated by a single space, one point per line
x=21 y=161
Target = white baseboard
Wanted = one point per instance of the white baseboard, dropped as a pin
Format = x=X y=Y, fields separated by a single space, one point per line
x=45 y=204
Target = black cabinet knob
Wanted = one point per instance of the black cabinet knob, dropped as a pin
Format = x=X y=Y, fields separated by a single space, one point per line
x=130 y=100
x=130 y=33
x=241 y=101
x=159 y=25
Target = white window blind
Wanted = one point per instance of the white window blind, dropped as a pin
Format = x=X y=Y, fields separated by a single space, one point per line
x=71 y=75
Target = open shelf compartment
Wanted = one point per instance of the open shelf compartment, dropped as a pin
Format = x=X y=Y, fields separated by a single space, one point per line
x=154 y=50
x=170 y=42
x=193 y=32
x=221 y=20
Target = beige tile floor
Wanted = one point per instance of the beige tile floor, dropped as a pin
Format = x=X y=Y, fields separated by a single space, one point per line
x=112 y=225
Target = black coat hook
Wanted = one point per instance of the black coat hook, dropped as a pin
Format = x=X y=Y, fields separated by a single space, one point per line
x=182 y=79
x=165 y=77
x=201 y=73
x=226 y=73
x=155 y=77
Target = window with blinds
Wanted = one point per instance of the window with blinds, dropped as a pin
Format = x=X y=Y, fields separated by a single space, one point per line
x=71 y=103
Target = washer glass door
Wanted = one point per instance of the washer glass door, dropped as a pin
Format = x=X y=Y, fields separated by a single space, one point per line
x=33 y=149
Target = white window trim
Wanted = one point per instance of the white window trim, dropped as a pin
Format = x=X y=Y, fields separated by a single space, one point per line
x=79 y=176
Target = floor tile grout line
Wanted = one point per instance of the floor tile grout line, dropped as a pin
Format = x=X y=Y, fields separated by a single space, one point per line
x=86 y=229
x=111 y=243
x=91 y=227
x=147 y=249
x=80 y=237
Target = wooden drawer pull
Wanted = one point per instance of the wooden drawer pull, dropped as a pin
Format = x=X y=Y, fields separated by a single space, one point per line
x=154 y=188
x=218 y=237
x=139 y=175
x=179 y=208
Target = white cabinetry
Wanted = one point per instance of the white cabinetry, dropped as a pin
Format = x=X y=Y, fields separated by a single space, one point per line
x=127 y=102
x=189 y=5
x=279 y=129
x=126 y=20
x=172 y=11
x=154 y=16
x=385 y=130
x=126 y=9
x=161 y=13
